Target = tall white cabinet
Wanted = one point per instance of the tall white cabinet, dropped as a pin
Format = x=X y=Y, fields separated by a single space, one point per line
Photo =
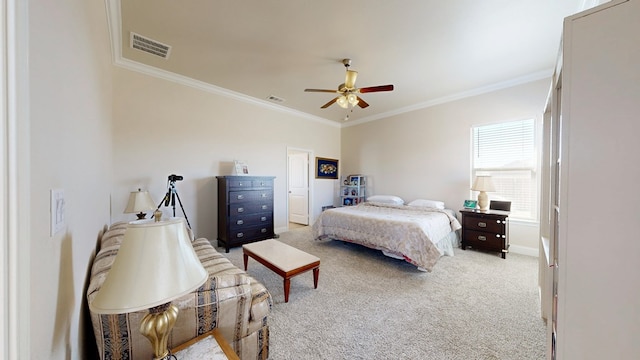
x=590 y=264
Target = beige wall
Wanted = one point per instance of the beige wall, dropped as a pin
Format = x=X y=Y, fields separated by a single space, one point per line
x=70 y=148
x=426 y=153
x=162 y=127
x=99 y=132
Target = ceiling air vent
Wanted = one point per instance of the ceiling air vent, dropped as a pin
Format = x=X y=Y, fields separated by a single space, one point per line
x=150 y=46
x=275 y=99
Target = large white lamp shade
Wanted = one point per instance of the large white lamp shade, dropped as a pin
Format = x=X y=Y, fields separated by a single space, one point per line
x=155 y=265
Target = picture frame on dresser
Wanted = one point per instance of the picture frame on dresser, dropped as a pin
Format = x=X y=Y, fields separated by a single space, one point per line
x=326 y=168
x=470 y=204
x=240 y=168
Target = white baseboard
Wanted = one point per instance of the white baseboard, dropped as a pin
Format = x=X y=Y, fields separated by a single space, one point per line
x=523 y=250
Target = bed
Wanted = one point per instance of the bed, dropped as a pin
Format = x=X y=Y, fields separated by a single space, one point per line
x=417 y=234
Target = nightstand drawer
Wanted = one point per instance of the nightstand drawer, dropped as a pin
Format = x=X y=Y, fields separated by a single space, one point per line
x=483 y=224
x=487 y=240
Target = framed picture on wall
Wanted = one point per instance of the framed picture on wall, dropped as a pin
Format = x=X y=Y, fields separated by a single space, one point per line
x=326 y=168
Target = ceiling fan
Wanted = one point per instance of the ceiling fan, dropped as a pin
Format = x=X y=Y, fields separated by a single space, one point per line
x=348 y=91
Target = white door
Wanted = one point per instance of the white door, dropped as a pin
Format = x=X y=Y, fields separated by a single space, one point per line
x=298 y=187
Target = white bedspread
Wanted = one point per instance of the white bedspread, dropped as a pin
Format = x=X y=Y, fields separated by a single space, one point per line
x=409 y=232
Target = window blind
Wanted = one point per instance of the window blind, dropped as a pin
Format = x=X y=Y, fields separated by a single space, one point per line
x=507 y=151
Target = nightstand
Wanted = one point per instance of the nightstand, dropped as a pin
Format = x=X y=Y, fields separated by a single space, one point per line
x=208 y=346
x=486 y=230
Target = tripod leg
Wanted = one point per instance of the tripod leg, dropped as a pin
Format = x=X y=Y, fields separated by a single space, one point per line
x=173 y=202
x=181 y=207
x=164 y=200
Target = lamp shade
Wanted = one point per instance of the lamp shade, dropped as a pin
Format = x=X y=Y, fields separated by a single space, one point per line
x=139 y=201
x=483 y=183
x=156 y=264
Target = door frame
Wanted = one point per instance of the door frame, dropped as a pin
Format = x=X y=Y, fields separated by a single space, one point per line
x=15 y=236
x=309 y=180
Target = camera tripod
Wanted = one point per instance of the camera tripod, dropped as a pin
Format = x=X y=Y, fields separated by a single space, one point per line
x=171 y=195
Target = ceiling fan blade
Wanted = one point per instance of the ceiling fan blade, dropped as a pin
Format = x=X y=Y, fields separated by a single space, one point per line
x=376 y=89
x=321 y=90
x=329 y=103
x=350 y=80
x=363 y=104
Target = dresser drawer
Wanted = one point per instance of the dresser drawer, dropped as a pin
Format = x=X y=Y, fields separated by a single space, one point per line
x=484 y=224
x=267 y=183
x=245 y=221
x=250 y=208
x=251 y=233
x=250 y=195
x=485 y=240
x=239 y=183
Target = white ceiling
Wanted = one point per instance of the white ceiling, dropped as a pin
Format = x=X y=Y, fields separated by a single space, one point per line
x=431 y=51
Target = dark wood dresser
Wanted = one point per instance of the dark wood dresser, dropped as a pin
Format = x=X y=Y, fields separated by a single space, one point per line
x=486 y=230
x=245 y=209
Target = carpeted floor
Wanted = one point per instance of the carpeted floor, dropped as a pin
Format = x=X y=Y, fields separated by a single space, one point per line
x=474 y=305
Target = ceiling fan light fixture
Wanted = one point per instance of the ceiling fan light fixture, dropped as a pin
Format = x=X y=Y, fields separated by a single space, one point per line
x=350 y=80
x=343 y=102
x=353 y=99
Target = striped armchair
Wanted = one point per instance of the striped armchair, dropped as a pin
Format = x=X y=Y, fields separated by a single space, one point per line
x=230 y=300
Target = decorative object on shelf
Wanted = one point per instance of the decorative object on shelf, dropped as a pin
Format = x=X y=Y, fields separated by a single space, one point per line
x=470 y=204
x=241 y=167
x=155 y=265
x=353 y=191
x=326 y=168
x=483 y=184
x=139 y=202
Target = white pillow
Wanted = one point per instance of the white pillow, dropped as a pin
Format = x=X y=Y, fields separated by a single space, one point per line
x=427 y=203
x=386 y=199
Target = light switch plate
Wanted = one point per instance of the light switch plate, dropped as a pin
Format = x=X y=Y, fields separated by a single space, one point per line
x=57 y=211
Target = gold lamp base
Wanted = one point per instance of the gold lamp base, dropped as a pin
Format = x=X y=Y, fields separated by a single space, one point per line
x=156 y=326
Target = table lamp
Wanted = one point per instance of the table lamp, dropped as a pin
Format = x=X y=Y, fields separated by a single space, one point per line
x=483 y=183
x=155 y=265
x=139 y=202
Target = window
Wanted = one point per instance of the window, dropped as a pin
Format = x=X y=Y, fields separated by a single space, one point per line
x=507 y=152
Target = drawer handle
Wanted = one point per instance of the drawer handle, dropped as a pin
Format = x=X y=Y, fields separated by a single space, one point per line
x=239 y=235
x=263 y=195
x=482 y=238
x=263 y=230
x=240 y=197
x=240 y=209
x=264 y=218
x=482 y=224
x=262 y=183
x=240 y=184
x=264 y=207
x=240 y=222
